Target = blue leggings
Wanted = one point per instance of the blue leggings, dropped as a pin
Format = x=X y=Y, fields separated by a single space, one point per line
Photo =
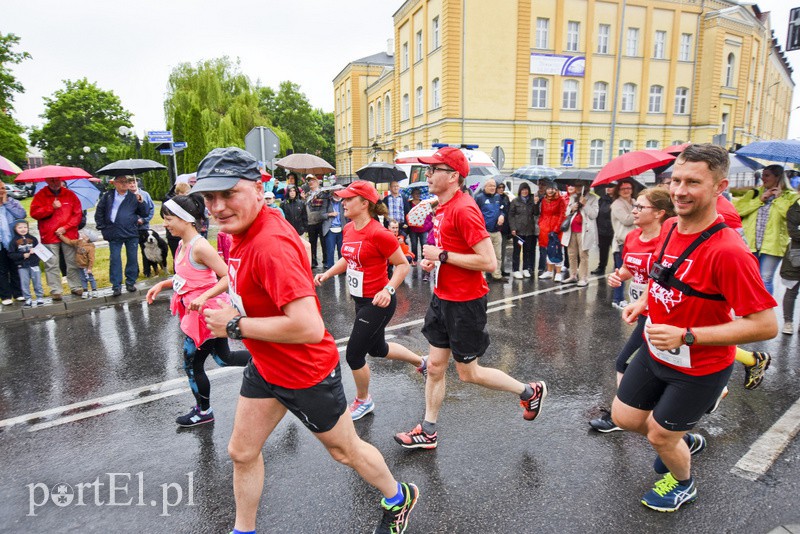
x=194 y=360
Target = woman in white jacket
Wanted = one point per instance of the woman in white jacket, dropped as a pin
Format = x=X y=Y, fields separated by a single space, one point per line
x=622 y=222
x=581 y=236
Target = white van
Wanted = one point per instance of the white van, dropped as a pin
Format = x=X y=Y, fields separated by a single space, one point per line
x=481 y=165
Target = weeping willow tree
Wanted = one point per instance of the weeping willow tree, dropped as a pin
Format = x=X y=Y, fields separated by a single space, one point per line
x=212 y=104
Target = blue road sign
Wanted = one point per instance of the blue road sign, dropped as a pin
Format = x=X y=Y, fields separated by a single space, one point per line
x=167 y=152
x=159 y=136
x=155 y=133
x=568 y=153
x=180 y=144
x=160 y=139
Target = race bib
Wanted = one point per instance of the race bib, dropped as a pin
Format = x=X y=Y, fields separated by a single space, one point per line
x=355 y=282
x=636 y=290
x=177 y=283
x=436 y=268
x=679 y=357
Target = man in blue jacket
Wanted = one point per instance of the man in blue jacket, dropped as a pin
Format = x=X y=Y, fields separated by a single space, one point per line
x=116 y=216
x=491 y=207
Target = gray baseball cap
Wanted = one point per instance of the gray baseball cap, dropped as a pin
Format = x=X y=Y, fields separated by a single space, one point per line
x=222 y=168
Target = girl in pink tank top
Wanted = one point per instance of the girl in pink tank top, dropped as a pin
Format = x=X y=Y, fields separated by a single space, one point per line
x=200 y=282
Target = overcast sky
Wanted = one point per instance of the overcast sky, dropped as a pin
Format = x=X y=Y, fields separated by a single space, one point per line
x=131 y=47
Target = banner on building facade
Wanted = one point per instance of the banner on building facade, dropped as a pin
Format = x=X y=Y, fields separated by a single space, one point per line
x=558 y=64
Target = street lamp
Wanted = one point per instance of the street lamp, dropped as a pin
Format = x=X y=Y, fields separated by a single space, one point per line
x=88 y=150
x=375 y=149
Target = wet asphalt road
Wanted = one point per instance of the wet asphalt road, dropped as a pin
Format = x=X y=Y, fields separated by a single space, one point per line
x=492 y=472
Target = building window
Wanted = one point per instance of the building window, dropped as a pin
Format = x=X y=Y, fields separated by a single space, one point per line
x=378 y=117
x=677 y=142
x=349 y=132
x=659 y=44
x=435 y=33
x=570 y=96
x=419 y=146
x=418 y=57
x=406 y=109
x=629 y=97
x=539 y=100
x=542 y=29
x=349 y=101
x=418 y=102
x=338 y=104
x=387 y=108
x=405 y=55
x=651 y=144
x=603 y=33
x=625 y=146
x=599 y=97
x=681 y=97
x=596 y=149
x=686 y=47
x=537 y=151
x=371 y=120
x=632 y=46
x=573 y=30
x=729 y=70
x=437 y=103
x=654 y=105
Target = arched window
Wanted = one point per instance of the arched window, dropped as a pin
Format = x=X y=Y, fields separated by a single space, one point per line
x=378 y=117
x=629 y=97
x=418 y=102
x=681 y=100
x=387 y=108
x=596 y=148
x=600 y=96
x=570 y=95
x=537 y=151
x=625 y=146
x=371 y=122
x=656 y=92
x=406 y=109
x=436 y=101
x=729 y=70
x=651 y=144
x=539 y=94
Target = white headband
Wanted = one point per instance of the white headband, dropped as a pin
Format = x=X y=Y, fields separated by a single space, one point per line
x=175 y=208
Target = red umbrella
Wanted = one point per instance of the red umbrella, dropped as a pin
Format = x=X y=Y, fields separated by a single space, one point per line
x=631 y=164
x=40 y=174
x=676 y=149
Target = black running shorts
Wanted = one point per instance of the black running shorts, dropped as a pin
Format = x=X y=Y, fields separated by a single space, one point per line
x=677 y=400
x=318 y=407
x=369 y=332
x=458 y=326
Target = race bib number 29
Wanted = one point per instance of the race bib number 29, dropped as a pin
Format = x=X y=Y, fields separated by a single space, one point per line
x=355 y=282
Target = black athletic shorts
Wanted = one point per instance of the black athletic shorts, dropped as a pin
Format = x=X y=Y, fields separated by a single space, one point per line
x=369 y=332
x=318 y=407
x=458 y=326
x=677 y=400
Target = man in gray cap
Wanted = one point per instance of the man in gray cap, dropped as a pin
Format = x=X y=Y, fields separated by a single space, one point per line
x=295 y=363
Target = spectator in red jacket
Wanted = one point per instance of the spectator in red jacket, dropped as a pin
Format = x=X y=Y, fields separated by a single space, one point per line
x=58 y=211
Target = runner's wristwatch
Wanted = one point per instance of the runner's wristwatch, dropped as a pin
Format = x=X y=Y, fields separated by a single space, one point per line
x=443 y=256
x=232 y=328
x=389 y=289
x=689 y=337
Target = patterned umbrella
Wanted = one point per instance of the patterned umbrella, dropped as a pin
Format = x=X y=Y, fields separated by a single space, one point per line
x=8 y=167
x=786 y=151
x=535 y=172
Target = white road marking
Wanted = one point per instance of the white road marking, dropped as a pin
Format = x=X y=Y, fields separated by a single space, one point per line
x=769 y=446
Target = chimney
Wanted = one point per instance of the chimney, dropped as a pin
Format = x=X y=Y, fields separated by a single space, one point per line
x=390 y=47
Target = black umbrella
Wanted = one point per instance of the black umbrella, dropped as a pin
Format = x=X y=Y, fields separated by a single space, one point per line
x=381 y=172
x=130 y=166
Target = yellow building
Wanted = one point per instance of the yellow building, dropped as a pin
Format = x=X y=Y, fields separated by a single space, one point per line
x=526 y=75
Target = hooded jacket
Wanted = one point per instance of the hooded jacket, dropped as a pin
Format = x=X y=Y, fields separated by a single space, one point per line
x=776 y=235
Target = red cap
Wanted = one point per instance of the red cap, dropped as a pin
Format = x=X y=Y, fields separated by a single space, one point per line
x=450 y=156
x=360 y=188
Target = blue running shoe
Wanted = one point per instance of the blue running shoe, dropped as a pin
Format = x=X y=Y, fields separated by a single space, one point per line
x=696 y=443
x=668 y=494
x=195 y=417
x=359 y=408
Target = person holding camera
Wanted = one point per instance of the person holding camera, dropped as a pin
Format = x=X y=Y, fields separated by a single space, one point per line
x=581 y=235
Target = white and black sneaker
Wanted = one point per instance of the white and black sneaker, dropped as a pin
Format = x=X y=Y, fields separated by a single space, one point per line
x=604 y=424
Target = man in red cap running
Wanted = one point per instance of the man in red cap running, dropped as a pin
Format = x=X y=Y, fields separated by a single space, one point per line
x=455 y=323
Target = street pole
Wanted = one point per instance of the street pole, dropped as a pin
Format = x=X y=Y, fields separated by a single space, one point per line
x=616 y=83
x=174 y=163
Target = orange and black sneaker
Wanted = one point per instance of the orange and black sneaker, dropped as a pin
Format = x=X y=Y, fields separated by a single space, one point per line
x=416 y=439
x=532 y=407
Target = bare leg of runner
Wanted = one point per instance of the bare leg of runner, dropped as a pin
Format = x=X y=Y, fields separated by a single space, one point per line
x=488 y=377
x=438 y=361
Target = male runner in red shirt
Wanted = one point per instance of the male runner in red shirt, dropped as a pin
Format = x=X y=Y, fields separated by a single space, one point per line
x=295 y=364
x=691 y=333
x=456 y=319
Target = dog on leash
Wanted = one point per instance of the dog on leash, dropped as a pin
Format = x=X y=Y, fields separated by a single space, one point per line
x=154 y=252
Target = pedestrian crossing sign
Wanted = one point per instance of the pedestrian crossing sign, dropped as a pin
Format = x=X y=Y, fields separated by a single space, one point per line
x=568 y=153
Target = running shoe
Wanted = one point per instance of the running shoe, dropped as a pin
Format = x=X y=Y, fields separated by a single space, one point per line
x=416 y=439
x=604 y=424
x=754 y=374
x=423 y=369
x=696 y=444
x=195 y=417
x=668 y=494
x=28 y=304
x=359 y=408
x=532 y=407
x=788 y=328
x=719 y=399
x=395 y=518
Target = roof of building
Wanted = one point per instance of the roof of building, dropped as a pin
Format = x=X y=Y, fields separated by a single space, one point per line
x=381 y=58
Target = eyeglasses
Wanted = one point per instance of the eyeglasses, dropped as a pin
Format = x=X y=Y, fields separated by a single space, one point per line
x=431 y=170
x=639 y=207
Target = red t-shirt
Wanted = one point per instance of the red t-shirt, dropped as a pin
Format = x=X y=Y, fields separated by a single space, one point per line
x=457 y=227
x=269 y=268
x=638 y=256
x=721 y=265
x=366 y=252
x=728 y=211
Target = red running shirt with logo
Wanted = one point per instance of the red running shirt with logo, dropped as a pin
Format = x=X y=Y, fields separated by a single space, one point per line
x=367 y=251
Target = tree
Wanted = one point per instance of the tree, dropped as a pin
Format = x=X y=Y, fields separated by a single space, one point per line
x=81 y=114
x=12 y=144
x=210 y=105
